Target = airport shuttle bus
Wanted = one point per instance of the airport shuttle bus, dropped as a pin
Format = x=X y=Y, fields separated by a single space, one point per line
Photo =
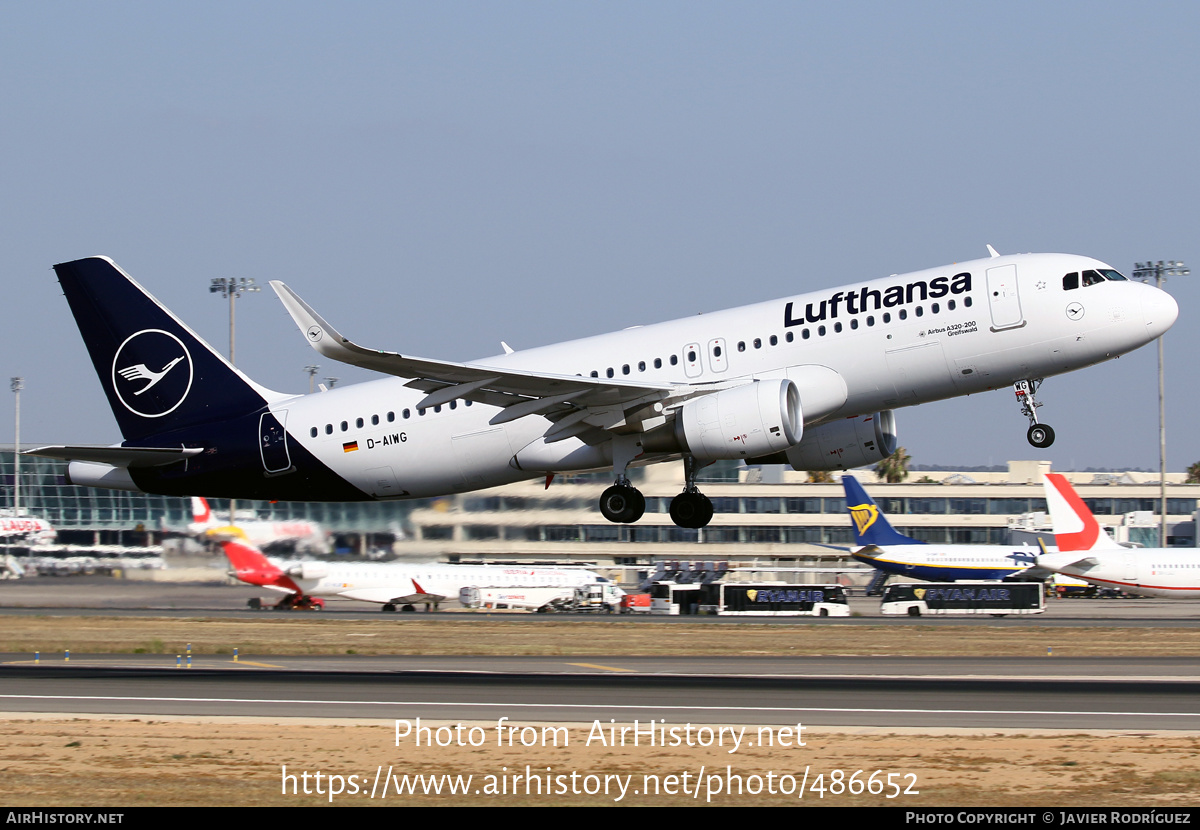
x=749 y=599
x=673 y=599
x=995 y=598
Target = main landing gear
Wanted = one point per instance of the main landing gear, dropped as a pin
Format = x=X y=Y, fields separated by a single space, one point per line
x=691 y=508
x=623 y=503
x=1039 y=435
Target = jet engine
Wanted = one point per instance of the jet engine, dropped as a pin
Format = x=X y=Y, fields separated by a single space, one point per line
x=841 y=445
x=310 y=570
x=756 y=419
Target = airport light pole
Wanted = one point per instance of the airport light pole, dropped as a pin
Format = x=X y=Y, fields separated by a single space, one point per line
x=232 y=288
x=1159 y=271
x=312 y=376
x=17 y=385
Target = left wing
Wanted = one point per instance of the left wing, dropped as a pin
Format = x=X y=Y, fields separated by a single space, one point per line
x=388 y=595
x=576 y=404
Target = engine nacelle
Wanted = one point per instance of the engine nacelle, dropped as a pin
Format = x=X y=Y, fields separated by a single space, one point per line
x=846 y=443
x=309 y=570
x=756 y=419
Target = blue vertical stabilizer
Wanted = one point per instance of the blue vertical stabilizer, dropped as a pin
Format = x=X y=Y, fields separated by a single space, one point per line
x=871 y=527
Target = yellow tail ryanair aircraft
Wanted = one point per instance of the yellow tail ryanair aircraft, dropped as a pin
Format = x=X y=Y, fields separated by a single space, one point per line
x=810 y=380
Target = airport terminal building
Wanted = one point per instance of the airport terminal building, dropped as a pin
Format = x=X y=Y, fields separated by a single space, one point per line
x=768 y=517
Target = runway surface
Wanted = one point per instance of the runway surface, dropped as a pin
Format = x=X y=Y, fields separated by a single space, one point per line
x=880 y=692
x=1159 y=694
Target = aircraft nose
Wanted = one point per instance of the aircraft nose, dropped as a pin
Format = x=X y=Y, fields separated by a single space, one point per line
x=1159 y=310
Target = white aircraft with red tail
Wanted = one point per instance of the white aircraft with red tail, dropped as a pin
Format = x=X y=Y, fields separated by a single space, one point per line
x=1087 y=552
x=392 y=585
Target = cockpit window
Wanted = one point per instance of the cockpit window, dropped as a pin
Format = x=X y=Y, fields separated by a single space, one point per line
x=1071 y=281
x=1110 y=274
x=1092 y=278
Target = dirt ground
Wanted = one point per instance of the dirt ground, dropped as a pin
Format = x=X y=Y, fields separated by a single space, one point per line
x=125 y=762
x=527 y=634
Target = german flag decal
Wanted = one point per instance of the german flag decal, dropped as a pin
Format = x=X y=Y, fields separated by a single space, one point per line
x=350 y=446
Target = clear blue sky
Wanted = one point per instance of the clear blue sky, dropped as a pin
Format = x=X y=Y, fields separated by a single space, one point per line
x=436 y=177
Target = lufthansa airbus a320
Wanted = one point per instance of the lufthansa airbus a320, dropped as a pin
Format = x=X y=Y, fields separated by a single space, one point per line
x=810 y=380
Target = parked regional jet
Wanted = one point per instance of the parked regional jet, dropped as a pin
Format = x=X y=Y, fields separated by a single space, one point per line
x=809 y=381
x=257 y=532
x=1087 y=552
x=890 y=551
x=391 y=585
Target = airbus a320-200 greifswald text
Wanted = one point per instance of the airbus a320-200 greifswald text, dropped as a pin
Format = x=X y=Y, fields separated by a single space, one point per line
x=810 y=381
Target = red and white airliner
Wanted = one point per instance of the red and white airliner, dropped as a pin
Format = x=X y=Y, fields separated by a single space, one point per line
x=1087 y=552
x=392 y=585
x=257 y=532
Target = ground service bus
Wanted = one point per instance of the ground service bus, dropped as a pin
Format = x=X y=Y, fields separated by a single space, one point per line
x=750 y=599
x=995 y=598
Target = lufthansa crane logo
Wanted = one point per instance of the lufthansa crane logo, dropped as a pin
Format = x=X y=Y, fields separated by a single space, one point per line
x=864 y=516
x=152 y=373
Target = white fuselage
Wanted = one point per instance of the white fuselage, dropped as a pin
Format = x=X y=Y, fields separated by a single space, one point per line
x=874 y=345
x=952 y=563
x=382 y=583
x=1150 y=572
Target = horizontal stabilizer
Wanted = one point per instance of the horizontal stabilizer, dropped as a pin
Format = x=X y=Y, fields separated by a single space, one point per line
x=127 y=457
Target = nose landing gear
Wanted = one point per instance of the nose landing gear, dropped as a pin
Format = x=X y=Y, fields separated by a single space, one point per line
x=1039 y=435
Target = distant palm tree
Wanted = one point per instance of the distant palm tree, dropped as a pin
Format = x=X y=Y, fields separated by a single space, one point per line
x=1193 y=472
x=894 y=468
